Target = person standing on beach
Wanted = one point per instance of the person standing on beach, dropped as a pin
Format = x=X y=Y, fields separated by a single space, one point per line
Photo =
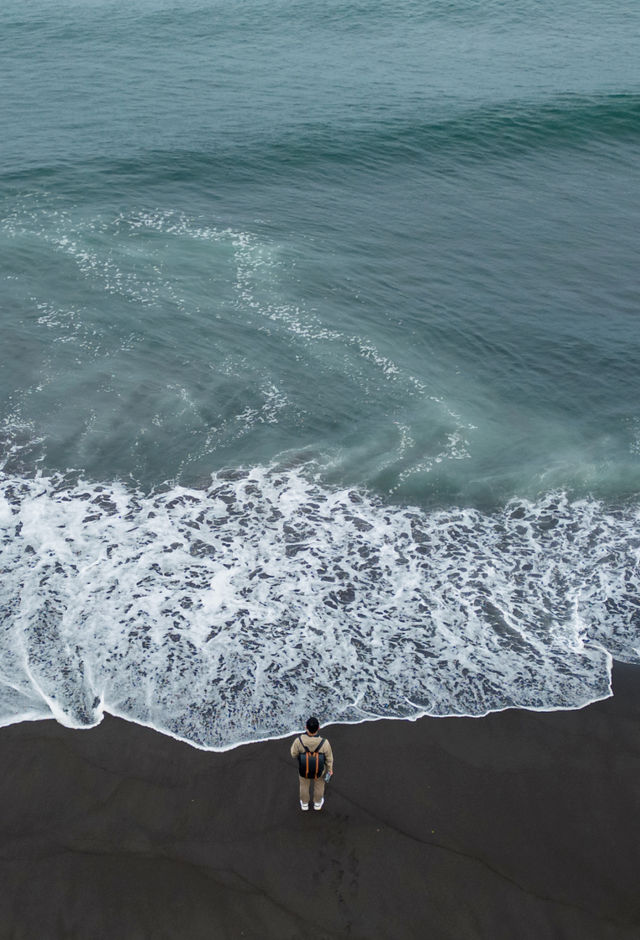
x=316 y=765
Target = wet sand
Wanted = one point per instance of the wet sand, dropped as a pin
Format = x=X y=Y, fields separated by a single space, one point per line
x=519 y=825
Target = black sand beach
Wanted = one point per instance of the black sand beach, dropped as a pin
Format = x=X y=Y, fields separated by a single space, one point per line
x=516 y=826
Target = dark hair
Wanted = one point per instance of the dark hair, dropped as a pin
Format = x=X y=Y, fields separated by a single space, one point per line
x=312 y=725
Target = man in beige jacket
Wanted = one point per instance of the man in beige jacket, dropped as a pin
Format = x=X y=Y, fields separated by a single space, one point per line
x=312 y=743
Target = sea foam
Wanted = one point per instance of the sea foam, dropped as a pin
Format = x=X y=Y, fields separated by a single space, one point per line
x=227 y=614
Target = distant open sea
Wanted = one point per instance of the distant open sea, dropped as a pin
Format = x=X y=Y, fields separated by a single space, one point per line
x=320 y=359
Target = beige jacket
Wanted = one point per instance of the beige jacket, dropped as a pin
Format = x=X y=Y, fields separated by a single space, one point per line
x=312 y=743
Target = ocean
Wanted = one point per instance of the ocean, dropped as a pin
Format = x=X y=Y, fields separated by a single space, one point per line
x=320 y=360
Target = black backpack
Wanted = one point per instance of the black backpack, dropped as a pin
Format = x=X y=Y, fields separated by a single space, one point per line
x=311 y=763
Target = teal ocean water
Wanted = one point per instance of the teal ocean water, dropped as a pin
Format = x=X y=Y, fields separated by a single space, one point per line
x=320 y=359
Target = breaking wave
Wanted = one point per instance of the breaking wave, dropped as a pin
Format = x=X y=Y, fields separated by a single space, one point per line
x=224 y=615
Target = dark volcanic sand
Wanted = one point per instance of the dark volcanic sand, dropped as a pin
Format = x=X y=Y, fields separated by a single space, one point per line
x=515 y=826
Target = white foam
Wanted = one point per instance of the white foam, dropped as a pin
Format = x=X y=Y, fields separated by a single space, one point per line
x=224 y=616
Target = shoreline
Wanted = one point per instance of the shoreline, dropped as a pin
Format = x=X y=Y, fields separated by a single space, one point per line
x=517 y=824
x=106 y=714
